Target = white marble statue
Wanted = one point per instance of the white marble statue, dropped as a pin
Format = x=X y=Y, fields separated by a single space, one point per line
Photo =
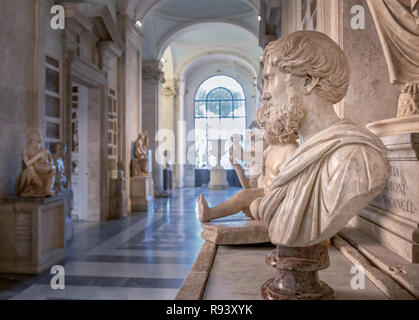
x=273 y=158
x=254 y=163
x=61 y=183
x=339 y=167
x=140 y=161
x=38 y=171
x=236 y=151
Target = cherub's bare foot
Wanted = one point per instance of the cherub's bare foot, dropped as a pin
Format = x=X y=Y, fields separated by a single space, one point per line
x=204 y=210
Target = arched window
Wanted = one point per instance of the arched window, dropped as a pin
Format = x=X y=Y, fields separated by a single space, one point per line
x=220 y=112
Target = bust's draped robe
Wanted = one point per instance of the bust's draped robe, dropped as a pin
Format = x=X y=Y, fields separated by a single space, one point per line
x=326 y=182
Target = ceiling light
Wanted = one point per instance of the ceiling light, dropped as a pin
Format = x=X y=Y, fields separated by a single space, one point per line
x=259 y=18
x=138 y=23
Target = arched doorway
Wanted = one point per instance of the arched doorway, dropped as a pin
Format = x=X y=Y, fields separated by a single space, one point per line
x=220 y=112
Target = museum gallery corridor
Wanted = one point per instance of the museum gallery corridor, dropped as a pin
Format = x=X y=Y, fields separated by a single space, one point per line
x=146 y=256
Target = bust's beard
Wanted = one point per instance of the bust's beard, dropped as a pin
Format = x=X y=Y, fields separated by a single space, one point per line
x=282 y=121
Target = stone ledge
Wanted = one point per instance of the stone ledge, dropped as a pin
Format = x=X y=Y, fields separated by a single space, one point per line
x=235 y=231
x=395 y=242
x=386 y=284
x=33 y=200
x=193 y=286
x=404 y=273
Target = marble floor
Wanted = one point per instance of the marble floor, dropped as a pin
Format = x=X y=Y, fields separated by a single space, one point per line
x=146 y=256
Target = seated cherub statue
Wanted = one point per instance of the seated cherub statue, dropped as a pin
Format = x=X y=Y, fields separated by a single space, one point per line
x=38 y=170
x=248 y=198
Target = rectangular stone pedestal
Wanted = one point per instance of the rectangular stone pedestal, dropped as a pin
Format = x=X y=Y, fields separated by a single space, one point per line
x=141 y=191
x=67 y=197
x=32 y=234
x=393 y=218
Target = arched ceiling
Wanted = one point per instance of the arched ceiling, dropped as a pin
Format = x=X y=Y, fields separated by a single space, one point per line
x=190 y=9
x=214 y=38
x=195 y=28
x=140 y=9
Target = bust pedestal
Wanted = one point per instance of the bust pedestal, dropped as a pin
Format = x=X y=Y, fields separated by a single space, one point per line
x=297 y=276
x=392 y=219
x=141 y=192
x=32 y=234
x=218 y=178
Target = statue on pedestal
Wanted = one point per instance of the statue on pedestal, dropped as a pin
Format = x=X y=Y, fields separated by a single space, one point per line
x=218 y=175
x=140 y=161
x=61 y=183
x=397 y=23
x=273 y=158
x=38 y=171
x=339 y=167
x=335 y=172
x=236 y=157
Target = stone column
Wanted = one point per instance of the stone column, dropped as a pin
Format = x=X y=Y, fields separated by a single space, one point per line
x=168 y=119
x=153 y=77
x=129 y=94
x=107 y=51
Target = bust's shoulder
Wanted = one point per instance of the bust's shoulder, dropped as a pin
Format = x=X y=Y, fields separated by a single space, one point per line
x=357 y=157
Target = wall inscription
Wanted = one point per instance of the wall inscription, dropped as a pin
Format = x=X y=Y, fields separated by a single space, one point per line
x=401 y=194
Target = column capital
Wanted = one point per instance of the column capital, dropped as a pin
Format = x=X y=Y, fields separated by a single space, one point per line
x=152 y=71
x=171 y=88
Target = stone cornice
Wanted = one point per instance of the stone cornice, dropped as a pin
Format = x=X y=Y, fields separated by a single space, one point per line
x=130 y=33
x=86 y=73
x=86 y=15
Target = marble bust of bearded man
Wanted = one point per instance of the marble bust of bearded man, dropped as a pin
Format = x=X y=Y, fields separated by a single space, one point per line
x=339 y=166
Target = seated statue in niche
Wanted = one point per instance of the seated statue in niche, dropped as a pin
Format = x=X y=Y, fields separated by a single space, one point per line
x=140 y=161
x=273 y=158
x=38 y=170
x=61 y=183
x=339 y=167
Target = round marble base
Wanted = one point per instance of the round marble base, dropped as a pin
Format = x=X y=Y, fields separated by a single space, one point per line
x=270 y=291
x=297 y=276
